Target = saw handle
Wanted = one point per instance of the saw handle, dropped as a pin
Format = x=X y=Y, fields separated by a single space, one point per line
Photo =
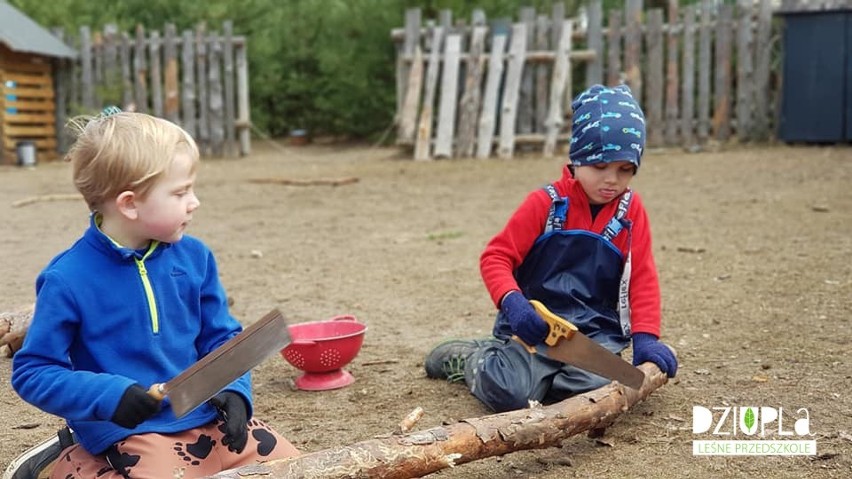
x=558 y=327
x=157 y=391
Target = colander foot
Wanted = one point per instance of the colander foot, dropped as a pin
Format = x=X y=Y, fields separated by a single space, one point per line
x=324 y=381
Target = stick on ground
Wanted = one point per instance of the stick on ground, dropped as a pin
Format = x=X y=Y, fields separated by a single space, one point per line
x=423 y=452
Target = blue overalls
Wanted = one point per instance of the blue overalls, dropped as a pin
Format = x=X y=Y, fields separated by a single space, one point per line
x=577 y=274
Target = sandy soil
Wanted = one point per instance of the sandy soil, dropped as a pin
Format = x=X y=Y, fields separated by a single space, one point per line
x=753 y=247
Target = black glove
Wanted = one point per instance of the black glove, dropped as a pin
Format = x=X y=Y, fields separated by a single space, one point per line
x=135 y=407
x=232 y=408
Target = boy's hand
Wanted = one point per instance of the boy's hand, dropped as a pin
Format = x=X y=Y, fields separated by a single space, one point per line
x=525 y=322
x=647 y=348
x=135 y=407
x=232 y=409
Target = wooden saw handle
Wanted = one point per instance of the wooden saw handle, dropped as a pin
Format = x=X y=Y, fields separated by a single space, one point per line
x=559 y=327
x=157 y=391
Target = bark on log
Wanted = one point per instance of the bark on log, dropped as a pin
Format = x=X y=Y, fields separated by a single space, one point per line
x=13 y=328
x=423 y=452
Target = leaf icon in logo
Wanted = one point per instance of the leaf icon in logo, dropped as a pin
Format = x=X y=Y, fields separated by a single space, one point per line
x=748 y=419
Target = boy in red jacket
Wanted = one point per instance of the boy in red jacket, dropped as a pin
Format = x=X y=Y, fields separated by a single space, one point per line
x=581 y=246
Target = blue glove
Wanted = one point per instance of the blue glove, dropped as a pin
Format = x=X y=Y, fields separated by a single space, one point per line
x=523 y=319
x=647 y=348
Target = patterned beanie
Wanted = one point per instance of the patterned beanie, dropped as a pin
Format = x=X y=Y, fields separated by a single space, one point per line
x=608 y=126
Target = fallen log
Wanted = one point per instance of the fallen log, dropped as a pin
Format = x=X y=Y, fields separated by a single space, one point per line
x=13 y=329
x=303 y=182
x=423 y=452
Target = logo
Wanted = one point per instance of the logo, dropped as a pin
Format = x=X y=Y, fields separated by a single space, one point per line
x=751 y=431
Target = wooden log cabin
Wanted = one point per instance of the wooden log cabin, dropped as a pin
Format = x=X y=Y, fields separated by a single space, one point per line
x=31 y=61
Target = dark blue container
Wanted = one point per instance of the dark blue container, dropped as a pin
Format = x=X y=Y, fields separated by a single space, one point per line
x=816 y=101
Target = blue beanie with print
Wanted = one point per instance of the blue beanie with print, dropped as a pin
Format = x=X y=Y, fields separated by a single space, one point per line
x=608 y=126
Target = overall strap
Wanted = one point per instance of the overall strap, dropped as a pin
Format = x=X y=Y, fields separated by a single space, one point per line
x=558 y=210
x=618 y=221
x=615 y=225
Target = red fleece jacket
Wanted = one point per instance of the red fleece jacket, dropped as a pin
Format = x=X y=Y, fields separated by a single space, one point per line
x=507 y=250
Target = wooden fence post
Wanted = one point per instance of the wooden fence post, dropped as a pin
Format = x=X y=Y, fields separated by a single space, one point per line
x=561 y=77
x=140 y=71
x=722 y=91
x=687 y=125
x=156 y=75
x=653 y=104
x=449 y=95
x=745 y=70
x=763 y=55
x=187 y=58
x=704 y=72
x=511 y=91
x=172 y=102
x=471 y=98
x=243 y=109
x=672 y=115
x=424 y=129
x=88 y=79
x=488 y=116
x=228 y=81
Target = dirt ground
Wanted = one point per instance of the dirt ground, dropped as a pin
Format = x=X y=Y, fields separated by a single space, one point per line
x=753 y=247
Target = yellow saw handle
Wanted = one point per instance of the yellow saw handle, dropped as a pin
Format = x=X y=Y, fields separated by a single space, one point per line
x=559 y=327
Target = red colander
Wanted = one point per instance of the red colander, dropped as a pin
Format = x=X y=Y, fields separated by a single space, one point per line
x=322 y=348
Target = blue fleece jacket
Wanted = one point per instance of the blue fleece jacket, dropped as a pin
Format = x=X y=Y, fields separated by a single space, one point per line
x=108 y=317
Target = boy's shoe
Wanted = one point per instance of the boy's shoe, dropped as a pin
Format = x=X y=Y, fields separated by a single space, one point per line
x=35 y=462
x=447 y=360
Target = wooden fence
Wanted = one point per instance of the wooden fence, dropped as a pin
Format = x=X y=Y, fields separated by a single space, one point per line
x=197 y=79
x=702 y=73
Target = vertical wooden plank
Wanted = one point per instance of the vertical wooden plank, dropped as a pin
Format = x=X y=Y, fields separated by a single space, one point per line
x=140 y=71
x=111 y=72
x=490 y=100
x=60 y=88
x=654 y=97
x=202 y=88
x=594 y=41
x=215 y=97
x=763 y=54
x=445 y=20
x=471 y=98
x=423 y=143
x=87 y=79
x=187 y=58
x=228 y=82
x=243 y=108
x=613 y=59
x=403 y=69
x=557 y=18
x=97 y=60
x=408 y=120
x=687 y=124
x=722 y=80
x=525 y=104
x=405 y=114
x=745 y=70
x=672 y=117
x=704 y=69
x=542 y=74
x=156 y=74
x=449 y=98
x=561 y=78
x=124 y=49
x=511 y=90
x=633 y=48
x=170 y=75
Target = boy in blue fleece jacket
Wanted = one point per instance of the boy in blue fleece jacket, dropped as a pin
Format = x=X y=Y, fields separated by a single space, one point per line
x=132 y=303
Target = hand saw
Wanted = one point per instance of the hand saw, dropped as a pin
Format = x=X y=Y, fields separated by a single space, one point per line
x=565 y=343
x=223 y=365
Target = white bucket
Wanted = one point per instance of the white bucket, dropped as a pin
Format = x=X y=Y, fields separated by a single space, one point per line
x=26 y=153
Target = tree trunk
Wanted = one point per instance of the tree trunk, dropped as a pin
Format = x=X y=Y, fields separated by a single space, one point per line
x=13 y=328
x=423 y=452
